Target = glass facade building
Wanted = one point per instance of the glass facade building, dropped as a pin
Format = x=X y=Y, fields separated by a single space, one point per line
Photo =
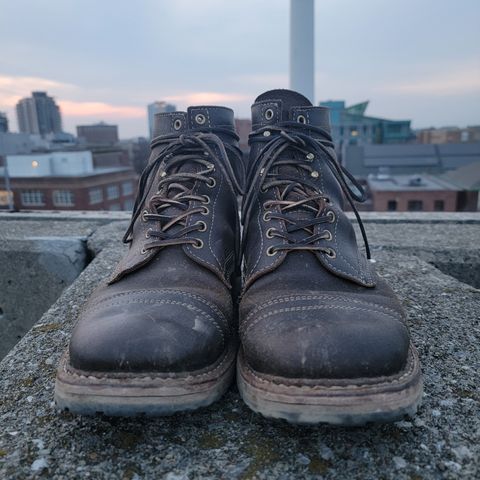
x=350 y=126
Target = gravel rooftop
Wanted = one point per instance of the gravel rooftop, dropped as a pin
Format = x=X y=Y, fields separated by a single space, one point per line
x=229 y=441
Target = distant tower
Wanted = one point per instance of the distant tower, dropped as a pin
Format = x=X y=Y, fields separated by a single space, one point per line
x=38 y=114
x=302 y=47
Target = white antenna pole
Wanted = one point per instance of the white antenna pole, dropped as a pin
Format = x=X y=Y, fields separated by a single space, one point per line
x=302 y=47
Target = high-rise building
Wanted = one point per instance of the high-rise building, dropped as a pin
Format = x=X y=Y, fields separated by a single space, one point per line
x=157 y=107
x=99 y=134
x=3 y=122
x=39 y=114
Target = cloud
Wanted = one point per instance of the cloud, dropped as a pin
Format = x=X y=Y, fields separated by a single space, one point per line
x=88 y=109
x=205 y=98
x=12 y=88
x=459 y=82
x=265 y=80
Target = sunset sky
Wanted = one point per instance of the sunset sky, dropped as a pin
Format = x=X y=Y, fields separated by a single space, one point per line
x=106 y=59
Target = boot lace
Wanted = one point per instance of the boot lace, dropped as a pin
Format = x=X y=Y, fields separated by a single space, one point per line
x=301 y=204
x=184 y=161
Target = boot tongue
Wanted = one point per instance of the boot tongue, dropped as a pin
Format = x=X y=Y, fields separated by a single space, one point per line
x=289 y=100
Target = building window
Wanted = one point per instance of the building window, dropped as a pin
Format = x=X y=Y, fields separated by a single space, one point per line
x=128 y=205
x=114 y=207
x=113 y=192
x=394 y=127
x=95 y=195
x=127 y=188
x=415 y=205
x=32 y=197
x=63 y=198
x=439 y=205
x=392 y=206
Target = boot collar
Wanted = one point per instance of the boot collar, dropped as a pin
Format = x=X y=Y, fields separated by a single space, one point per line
x=194 y=119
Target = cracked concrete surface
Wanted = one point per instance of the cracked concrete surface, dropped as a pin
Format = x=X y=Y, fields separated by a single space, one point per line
x=227 y=440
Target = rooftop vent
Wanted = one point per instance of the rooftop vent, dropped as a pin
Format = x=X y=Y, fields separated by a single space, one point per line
x=383 y=173
x=416 y=182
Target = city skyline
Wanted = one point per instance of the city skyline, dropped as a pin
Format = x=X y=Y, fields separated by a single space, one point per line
x=422 y=71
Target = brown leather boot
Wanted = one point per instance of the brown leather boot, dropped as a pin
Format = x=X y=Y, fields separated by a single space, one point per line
x=323 y=338
x=160 y=335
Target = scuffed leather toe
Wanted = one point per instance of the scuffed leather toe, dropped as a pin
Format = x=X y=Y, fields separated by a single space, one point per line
x=161 y=331
x=323 y=339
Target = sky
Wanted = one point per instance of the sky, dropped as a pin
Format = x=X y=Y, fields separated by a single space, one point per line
x=107 y=59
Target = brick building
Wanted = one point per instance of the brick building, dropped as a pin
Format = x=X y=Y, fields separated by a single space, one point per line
x=417 y=193
x=68 y=181
x=98 y=134
x=442 y=135
x=110 y=189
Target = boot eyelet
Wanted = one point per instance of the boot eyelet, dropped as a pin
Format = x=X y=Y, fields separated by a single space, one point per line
x=301 y=119
x=331 y=253
x=266 y=217
x=200 y=118
x=202 y=225
x=144 y=213
x=327 y=201
x=331 y=215
x=198 y=243
x=310 y=156
x=269 y=114
x=211 y=182
x=271 y=251
x=206 y=199
x=177 y=124
x=206 y=211
x=147 y=235
x=143 y=251
x=269 y=233
x=314 y=174
x=329 y=237
x=266 y=133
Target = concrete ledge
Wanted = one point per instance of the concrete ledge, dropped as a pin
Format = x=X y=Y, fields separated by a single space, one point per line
x=227 y=440
x=95 y=216
x=367 y=217
x=37 y=261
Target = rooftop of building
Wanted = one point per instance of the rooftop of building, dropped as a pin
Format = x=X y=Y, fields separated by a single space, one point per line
x=431 y=261
x=93 y=173
x=466 y=177
x=98 y=124
x=423 y=182
x=410 y=158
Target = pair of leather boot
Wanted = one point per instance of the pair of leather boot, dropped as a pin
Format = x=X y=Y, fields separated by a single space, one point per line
x=280 y=294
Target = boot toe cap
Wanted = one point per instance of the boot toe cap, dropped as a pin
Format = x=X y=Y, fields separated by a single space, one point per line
x=326 y=340
x=147 y=332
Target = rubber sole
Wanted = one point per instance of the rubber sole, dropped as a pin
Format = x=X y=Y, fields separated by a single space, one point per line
x=150 y=394
x=342 y=402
